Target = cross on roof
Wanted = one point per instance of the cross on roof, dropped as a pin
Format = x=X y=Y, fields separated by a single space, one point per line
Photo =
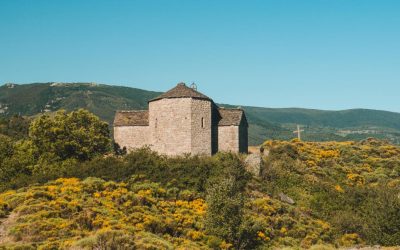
x=298 y=132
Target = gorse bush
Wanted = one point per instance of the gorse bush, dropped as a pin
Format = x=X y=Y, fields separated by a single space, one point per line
x=352 y=186
x=96 y=214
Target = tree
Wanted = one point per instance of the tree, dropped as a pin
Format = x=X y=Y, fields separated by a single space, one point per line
x=15 y=126
x=79 y=134
x=224 y=210
x=381 y=216
x=17 y=159
x=6 y=148
x=225 y=200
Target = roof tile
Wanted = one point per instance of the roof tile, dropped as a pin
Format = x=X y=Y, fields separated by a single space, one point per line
x=230 y=117
x=131 y=118
x=182 y=91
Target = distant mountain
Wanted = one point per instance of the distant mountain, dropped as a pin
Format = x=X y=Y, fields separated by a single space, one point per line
x=103 y=100
x=265 y=123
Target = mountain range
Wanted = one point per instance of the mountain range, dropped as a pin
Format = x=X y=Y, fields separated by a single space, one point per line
x=264 y=123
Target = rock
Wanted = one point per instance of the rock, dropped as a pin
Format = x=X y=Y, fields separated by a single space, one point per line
x=253 y=163
x=284 y=198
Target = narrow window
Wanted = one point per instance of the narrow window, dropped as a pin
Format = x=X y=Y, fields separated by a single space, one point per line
x=155 y=125
x=202 y=122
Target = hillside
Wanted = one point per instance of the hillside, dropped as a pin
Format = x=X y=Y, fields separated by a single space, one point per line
x=103 y=100
x=344 y=194
x=63 y=186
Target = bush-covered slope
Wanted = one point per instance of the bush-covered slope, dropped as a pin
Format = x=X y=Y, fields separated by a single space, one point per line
x=344 y=194
x=355 y=187
x=146 y=200
x=103 y=100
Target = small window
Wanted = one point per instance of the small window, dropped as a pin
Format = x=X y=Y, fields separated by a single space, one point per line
x=155 y=125
x=202 y=122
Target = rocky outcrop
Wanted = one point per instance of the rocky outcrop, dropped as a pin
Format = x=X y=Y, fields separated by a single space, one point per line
x=253 y=163
x=284 y=198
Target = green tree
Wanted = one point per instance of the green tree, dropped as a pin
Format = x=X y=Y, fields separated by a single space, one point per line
x=6 y=148
x=15 y=126
x=79 y=134
x=224 y=210
x=225 y=200
x=381 y=214
x=17 y=163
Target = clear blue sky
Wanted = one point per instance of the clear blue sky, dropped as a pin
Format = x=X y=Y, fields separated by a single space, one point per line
x=324 y=54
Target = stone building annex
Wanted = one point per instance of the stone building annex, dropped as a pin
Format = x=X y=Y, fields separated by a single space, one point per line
x=182 y=120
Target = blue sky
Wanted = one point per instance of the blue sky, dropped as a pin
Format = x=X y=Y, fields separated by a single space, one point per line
x=324 y=54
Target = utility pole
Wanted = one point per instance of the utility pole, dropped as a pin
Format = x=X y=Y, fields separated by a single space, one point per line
x=298 y=132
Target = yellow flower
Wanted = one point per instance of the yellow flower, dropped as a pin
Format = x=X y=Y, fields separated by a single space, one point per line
x=339 y=189
x=225 y=245
x=262 y=236
x=355 y=179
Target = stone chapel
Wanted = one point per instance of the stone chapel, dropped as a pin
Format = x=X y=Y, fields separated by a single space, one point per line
x=182 y=120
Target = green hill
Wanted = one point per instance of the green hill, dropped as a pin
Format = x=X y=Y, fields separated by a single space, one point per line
x=103 y=100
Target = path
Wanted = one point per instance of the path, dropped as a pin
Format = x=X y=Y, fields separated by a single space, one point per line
x=5 y=225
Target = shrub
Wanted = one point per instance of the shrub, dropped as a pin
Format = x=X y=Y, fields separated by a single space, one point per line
x=108 y=239
x=79 y=134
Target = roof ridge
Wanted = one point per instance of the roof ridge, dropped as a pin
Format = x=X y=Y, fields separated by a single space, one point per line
x=182 y=91
x=229 y=109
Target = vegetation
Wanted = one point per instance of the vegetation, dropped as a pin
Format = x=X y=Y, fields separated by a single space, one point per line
x=355 y=187
x=265 y=123
x=15 y=126
x=54 y=196
x=79 y=135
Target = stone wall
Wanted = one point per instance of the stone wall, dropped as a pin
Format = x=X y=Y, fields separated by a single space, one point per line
x=201 y=123
x=131 y=137
x=228 y=138
x=170 y=125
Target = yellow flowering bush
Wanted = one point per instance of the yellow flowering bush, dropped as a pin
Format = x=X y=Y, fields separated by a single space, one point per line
x=66 y=211
x=309 y=194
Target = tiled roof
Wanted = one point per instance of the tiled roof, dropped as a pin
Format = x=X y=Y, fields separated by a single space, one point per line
x=230 y=117
x=132 y=118
x=182 y=91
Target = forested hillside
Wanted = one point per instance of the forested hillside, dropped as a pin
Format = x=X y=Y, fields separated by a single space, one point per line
x=64 y=186
x=104 y=100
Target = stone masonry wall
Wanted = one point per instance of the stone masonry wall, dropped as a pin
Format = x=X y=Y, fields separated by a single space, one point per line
x=131 y=136
x=201 y=127
x=228 y=138
x=183 y=125
x=170 y=125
